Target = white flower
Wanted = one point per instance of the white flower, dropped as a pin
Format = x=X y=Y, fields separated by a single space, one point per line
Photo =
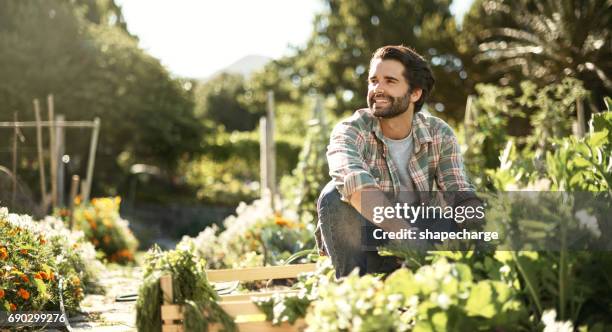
x=589 y=222
x=551 y=325
x=443 y=301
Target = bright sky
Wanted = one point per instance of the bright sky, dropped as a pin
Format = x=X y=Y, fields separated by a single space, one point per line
x=195 y=38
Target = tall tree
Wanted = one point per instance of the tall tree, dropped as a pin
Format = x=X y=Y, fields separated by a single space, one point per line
x=78 y=52
x=335 y=60
x=545 y=41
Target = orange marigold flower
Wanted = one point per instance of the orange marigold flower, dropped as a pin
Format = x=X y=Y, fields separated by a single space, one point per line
x=43 y=275
x=77 y=200
x=88 y=216
x=13 y=307
x=51 y=276
x=1 y=293
x=23 y=293
x=279 y=220
x=24 y=278
x=38 y=276
x=24 y=251
x=3 y=253
x=42 y=240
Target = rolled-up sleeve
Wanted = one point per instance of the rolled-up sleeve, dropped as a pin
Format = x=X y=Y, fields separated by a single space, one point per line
x=451 y=176
x=347 y=168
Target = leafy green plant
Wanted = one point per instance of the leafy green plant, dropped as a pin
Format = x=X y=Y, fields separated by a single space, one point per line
x=190 y=288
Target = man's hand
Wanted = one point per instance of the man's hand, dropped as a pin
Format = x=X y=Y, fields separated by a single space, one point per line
x=375 y=198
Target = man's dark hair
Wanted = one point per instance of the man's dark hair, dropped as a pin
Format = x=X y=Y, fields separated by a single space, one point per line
x=417 y=72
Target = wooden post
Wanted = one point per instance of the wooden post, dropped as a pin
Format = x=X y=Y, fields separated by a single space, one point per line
x=52 y=151
x=15 y=137
x=271 y=149
x=41 y=160
x=166 y=288
x=74 y=187
x=580 y=129
x=92 y=160
x=60 y=149
x=468 y=120
x=263 y=162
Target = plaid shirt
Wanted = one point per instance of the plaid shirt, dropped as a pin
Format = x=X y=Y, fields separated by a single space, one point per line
x=358 y=158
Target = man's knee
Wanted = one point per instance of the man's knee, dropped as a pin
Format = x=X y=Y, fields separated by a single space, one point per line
x=329 y=196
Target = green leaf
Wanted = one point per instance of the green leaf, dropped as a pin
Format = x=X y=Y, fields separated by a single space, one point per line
x=598 y=138
x=479 y=302
x=40 y=285
x=401 y=282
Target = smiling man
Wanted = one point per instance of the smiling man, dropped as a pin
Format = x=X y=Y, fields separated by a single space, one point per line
x=390 y=152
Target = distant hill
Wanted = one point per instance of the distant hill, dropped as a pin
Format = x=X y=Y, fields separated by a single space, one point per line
x=245 y=66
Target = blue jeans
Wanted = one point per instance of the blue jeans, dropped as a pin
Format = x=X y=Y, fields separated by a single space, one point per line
x=342 y=233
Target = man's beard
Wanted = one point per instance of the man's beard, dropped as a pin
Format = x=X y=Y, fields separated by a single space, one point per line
x=398 y=105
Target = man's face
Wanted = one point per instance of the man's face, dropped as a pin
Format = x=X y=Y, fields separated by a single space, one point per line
x=388 y=94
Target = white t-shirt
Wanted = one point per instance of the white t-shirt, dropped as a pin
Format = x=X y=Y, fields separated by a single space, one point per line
x=401 y=152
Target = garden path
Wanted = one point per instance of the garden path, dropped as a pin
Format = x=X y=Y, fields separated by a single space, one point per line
x=103 y=312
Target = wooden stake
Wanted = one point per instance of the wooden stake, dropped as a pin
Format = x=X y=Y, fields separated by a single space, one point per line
x=41 y=160
x=270 y=151
x=52 y=151
x=92 y=160
x=468 y=120
x=74 y=187
x=581 y=130
x=60 y=149
x=15 y=137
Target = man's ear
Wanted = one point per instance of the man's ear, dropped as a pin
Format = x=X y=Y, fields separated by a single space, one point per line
x=415 y=95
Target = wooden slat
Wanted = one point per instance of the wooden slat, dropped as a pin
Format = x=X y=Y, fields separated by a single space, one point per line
x=235 y=308
x=259 y=273
x=171 y=312
x=165 y=283
x=172 y=328
x=263 y=327
x=248 y=296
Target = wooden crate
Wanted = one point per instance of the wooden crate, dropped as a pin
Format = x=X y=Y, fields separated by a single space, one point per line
x=238 y=306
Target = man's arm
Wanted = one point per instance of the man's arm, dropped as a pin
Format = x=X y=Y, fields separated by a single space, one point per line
x=451 y=176
x=352 y=176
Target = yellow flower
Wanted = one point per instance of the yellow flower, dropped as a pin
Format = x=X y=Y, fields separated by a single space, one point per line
x=77 y=200
x=76 y=280
x=107 y=222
